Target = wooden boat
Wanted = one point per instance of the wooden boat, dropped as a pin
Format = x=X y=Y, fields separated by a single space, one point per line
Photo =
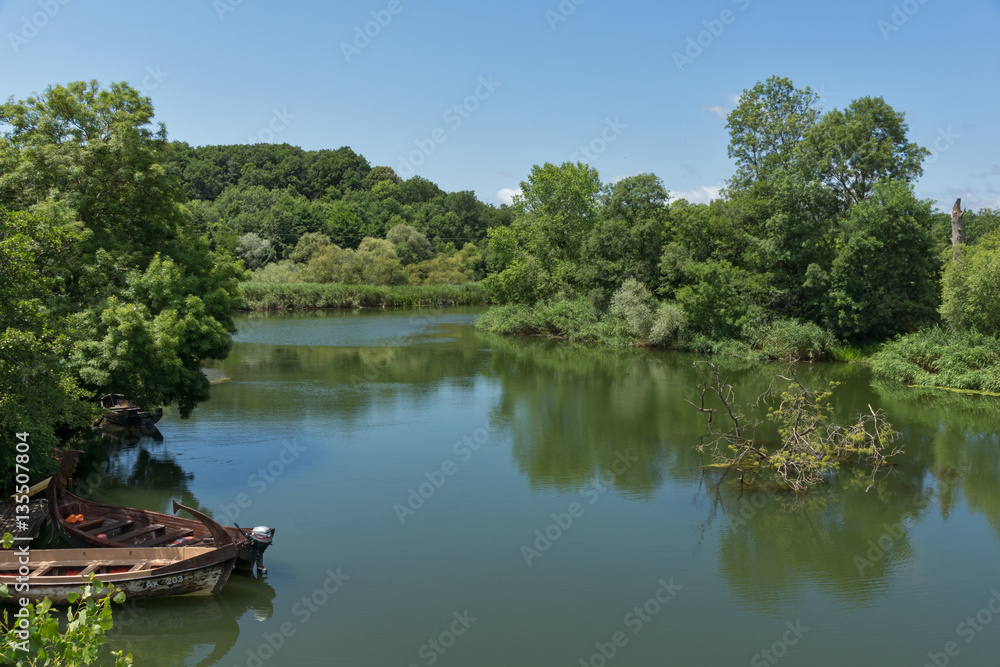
x=148 y=572
x=123 y=412
x=103 y=525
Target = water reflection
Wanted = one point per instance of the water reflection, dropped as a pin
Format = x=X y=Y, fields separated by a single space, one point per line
x=570 y=409
x=378 y=404
x=204 y=629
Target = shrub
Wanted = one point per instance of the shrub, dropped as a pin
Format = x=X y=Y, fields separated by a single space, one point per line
x=971 y=287
x=633 y=303
x=667 y=324
x=411 y=246
x=254 y=251
x=285 y=271
x=791 y=339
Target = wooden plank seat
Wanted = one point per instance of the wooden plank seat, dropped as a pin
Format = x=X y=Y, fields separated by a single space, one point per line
x=41 y=569
x=108 y=527
x=87 y=525
x=151 y=528
x=169 y=537
x=139 y=566
x=91 y=568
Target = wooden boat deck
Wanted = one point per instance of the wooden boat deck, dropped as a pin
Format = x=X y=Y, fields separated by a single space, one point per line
x=20 y=526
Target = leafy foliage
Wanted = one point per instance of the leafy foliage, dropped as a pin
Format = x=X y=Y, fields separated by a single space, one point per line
x=971 y=285
x=809 y=448
x=39 y=390
x=853 y=149
x=141 y=296
x=883 y=278
x=88 y=622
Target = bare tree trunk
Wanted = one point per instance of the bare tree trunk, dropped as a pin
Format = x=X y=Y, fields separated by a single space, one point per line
x=957 y=230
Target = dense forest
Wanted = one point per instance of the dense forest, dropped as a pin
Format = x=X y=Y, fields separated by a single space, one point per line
x=328 y=216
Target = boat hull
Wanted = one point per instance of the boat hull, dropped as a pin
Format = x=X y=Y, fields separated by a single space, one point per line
x=183 y=571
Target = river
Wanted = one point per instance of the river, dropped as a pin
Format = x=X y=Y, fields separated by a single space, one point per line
x=445 y=497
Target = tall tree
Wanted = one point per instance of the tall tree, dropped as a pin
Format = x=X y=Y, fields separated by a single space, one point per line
x=766 y=127
x=851 y=150
x=883 y=278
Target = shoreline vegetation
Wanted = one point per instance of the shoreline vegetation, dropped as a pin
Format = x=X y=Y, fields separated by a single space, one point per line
x=261 y=297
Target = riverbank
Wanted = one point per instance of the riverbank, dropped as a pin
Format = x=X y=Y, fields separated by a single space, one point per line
x=309 y=296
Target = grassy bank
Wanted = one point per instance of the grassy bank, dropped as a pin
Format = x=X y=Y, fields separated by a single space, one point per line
x=629 y=323
x=941 y=358
x=305 y=296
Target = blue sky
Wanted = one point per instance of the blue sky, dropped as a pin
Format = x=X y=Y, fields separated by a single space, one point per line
x=639 y=86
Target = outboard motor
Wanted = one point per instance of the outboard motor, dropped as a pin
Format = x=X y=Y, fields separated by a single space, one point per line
x=260 y=539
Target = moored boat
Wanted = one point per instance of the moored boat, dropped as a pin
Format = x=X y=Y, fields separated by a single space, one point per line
x=147 y=572
x=83 y=523
x=123 y=412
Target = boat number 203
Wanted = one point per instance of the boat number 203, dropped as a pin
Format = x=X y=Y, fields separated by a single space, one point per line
x=169 y=581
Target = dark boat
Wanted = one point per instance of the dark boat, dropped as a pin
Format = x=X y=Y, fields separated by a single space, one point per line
x=145 y=572
x=123 y=412
x=103 y=525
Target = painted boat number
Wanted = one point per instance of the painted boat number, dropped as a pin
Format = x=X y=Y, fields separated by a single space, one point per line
x=167 y=582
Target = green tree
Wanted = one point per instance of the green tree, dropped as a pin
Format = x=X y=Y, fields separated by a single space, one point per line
x=627 y=239
x=883 y=278
x=971 y=287
x=254 y=251
x=411 y=246
x=39 y=391
x=554 y=215
x=146 y=300
x=853 y=149
x=766 y=127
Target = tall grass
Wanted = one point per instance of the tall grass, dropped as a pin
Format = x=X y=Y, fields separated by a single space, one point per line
x=306 y=296
x=941 y=358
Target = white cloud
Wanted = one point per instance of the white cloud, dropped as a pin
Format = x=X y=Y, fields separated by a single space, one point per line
x=506 y=195
x=699 y=195
x=717 y=110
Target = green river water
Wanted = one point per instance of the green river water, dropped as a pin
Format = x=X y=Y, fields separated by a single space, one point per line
x=445 y=497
